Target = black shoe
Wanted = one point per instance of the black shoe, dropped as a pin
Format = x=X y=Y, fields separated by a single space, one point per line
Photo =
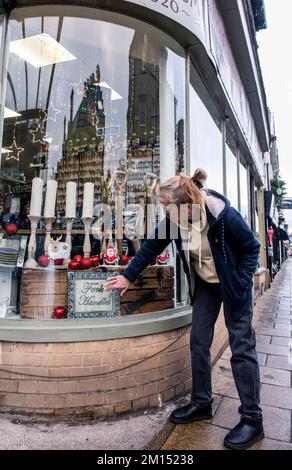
x=245 y=434
x=191 y=412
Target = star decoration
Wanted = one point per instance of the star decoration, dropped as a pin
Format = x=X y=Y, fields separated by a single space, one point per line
x=38 y=134
x=43 y=115
x=14 y=150
x=55 y=112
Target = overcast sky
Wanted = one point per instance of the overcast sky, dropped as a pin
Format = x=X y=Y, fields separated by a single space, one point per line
x=276 y=60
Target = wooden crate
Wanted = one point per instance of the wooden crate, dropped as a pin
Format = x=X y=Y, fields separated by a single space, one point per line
x=41 y=290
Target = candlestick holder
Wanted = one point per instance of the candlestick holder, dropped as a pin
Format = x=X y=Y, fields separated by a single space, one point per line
x=87 y=221
x=69 y=224
x=48 y=223
x=31 y=262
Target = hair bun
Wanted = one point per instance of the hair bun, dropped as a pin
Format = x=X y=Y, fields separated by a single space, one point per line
x=199 y=177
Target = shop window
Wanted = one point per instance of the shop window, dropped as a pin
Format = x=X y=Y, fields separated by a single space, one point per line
x=231 y=177
x=243 y=192
x=256 y=212
x=99 y=105
x=205 y=142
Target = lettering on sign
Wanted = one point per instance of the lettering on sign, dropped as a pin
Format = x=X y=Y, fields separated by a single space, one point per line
x=191 y=14
x=19 y=188
x=87 y=297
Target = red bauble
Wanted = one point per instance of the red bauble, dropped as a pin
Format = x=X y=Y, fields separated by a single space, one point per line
x=59 y=262
x=11 y=229
x=74 y=265
x=85 y=263
x=44 y=261
x=59 y=313
x=124 y=259
x=77 y=258
x=95 y=260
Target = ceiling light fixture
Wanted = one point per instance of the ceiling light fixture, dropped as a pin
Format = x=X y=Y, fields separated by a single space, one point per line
x=9 y=113
x=40 y=50
x=114 y=94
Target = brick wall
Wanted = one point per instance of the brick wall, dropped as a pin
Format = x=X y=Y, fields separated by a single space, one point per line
x=123 y=375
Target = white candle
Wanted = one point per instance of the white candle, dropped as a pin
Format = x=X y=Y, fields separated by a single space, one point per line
x=50 y=201
x=71 y=200
x=36 y=197
x=88 y=197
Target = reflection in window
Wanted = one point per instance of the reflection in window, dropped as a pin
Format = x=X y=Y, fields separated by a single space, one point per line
x=205 y=152
x=87 y=106
x=231 y=177
x=256 y=213
x=243 y=192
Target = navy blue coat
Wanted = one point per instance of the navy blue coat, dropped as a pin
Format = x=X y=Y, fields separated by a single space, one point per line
x=233 y=245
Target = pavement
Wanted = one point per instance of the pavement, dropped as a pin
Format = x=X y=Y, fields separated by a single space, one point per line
x=272 y=320
x=152 y=430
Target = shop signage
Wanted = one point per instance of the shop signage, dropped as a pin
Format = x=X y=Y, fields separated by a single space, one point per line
x=87 y=297
x=20 y=188
x=191 y=14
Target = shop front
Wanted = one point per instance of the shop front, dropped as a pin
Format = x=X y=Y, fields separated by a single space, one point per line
x=99 y=103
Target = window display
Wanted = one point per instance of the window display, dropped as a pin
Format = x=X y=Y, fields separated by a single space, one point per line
x=93 y=122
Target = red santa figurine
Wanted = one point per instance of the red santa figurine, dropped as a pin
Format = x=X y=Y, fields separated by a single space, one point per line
x=163 y=257
x=111 y=255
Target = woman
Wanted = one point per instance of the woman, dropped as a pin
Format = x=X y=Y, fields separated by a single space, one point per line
x=219 y=260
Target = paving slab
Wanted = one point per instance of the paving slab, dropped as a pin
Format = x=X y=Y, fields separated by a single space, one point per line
x=196 y=436
x=277 y=422
x=284 y=332
x=271 y=444
x=274 y=376
x=224 y=385
x=274 y=349
x=264 y=339
x=282 y=321
x=273 y=395
x=280 y=340
x=279 y=362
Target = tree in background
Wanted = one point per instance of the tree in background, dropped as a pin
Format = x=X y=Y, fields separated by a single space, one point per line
x=279 y=189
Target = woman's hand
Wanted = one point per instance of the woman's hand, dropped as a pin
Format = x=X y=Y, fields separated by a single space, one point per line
x=117 y=282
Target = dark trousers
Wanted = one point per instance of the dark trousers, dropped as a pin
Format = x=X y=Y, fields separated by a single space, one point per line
x=207 y=302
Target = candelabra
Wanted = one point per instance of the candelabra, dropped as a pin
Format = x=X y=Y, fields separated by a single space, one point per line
x=31 y=262
x=87 y=226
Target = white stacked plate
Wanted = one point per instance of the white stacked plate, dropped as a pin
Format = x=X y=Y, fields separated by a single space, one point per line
x=8 y=255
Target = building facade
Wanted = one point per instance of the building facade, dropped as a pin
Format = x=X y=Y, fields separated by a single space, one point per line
x=114 y=97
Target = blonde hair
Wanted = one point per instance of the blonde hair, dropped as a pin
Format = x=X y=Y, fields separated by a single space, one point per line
x=182 y=189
